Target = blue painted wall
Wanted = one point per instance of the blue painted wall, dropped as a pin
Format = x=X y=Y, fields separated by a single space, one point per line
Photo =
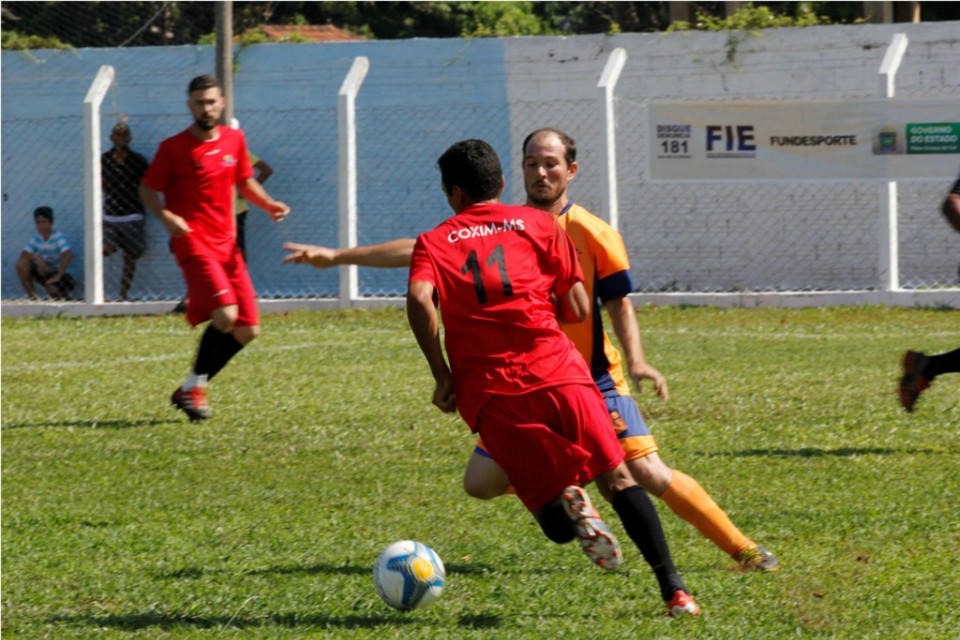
x=418 y=97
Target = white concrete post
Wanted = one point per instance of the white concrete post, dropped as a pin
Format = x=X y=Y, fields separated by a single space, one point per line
x=889 y=237
x=347 y=187
x=93 y=187
x=607 y=85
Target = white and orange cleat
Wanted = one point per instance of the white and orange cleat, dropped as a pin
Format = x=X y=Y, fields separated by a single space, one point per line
x=595 y=538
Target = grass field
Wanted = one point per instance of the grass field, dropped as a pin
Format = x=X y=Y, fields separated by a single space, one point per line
x=123 y=520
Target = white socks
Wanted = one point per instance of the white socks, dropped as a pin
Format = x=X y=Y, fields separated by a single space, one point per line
x=195 y=380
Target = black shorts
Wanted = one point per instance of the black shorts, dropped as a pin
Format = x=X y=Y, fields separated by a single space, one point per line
x=64 y=286
x=129 y=237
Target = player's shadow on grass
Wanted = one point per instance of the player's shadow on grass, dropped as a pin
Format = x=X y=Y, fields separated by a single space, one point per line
x=815 y=452
x=193 y=573
x=91 y=424
x=173 y=621
x=452 y=569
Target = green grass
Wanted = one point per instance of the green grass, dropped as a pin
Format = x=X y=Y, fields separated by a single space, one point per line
x=123 y=520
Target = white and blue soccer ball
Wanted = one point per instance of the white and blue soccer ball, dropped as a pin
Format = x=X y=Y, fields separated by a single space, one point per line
x=409 y=574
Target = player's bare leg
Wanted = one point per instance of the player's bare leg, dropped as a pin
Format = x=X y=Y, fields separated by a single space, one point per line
x=484 y=478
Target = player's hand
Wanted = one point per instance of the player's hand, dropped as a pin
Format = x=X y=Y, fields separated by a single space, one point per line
x=278 y=210
x=443 y=396
x=54 y=279
x=646 y=372
x=320 y=257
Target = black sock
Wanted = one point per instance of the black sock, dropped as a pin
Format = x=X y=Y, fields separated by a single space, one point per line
x=943 y=363
x=640 y=519
x=555 y=523
x=215 y=351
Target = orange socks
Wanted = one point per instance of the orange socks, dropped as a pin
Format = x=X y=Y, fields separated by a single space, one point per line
x=687 y=499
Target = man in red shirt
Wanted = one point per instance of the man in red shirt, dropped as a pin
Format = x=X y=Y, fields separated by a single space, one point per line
x=549 y=165
x=502 y=274
x=196 y=170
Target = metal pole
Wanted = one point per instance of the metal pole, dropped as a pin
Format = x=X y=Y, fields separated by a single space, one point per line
x=889 y=235
x=224 y=27
x=607 y=85
x=347 y=187
x=92 y=187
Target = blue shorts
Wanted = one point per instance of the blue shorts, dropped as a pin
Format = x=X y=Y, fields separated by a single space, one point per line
x=635 y=438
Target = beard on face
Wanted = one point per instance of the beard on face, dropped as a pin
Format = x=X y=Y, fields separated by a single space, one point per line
x=543 y=198
x=204 y=124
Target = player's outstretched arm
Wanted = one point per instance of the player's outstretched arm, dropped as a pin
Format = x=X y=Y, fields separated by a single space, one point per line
x=386 y=255
x=624 y=319
x=320 y=257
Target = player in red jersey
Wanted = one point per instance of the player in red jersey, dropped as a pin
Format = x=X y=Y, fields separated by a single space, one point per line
x=549 y=164
x=500 y=274
x=919 y=369
x=197 y=170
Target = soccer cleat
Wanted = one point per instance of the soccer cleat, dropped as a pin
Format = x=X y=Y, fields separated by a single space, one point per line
x=192 y=402
x=682 y=605
x=758 y=558
x=913 y=382
x=595 y=538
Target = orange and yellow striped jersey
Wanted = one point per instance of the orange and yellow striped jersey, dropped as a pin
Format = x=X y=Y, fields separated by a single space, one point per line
x=606 y=275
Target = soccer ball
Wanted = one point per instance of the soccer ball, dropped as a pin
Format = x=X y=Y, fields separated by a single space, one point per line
x=409 y=574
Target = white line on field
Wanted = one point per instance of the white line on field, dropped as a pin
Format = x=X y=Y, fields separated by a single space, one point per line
x=777 y=335
x=137 y=360
x=787 y=335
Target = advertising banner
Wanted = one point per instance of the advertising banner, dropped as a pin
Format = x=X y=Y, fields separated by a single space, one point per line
x=825 y=140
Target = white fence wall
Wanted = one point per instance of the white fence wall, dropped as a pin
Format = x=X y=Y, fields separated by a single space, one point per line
x=730 y=240
x=724 y=241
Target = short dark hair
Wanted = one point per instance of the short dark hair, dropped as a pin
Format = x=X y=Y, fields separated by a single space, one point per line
x=473 y=166
x=569 y=145
x=43 y=212
x=202 y=83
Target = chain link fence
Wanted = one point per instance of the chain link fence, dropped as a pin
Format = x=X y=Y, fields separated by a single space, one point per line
x=774 y=237
x=710 y=238
x=399 y=193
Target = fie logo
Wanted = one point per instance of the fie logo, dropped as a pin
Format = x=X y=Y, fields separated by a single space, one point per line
x=731 y=141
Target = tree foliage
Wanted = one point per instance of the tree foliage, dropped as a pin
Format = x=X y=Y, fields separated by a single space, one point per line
x=752 y=18
x=18 y=41
x=144 y=23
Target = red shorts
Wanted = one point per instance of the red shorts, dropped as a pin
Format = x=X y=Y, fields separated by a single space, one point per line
x=548 y=439
x=213 y=283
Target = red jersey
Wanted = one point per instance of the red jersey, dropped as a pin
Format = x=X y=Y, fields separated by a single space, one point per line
x=494 y=268
x=197 y=178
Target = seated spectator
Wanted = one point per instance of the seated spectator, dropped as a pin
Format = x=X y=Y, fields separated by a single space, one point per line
x=45 y=259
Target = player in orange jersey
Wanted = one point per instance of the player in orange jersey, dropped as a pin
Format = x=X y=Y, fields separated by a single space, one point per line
x=549 y=164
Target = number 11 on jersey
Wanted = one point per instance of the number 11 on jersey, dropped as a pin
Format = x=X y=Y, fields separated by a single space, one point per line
x=496 y=257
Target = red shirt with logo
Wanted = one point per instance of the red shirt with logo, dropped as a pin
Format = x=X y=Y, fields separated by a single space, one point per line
x=495 y=268
x=197 y=178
